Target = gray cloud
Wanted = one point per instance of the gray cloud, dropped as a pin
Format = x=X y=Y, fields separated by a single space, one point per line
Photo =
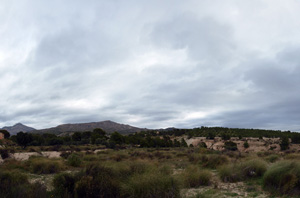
x=150 y=63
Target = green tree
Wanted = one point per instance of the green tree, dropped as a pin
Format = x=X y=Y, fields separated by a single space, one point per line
x=117 y=138
x=284 y=145
x=76 y=136
x=24 y=139
x=6 y=133
x=246 y=144
x=183 y=143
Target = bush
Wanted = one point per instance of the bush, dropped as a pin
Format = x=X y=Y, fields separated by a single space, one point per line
x=253 y=168
x=16 y=185
x=283 y=178
x=230 y=173
x=231 y=146
x=194 y=177
x=4 y=153
x=272 y=158
x=74 y=160
x=64 y=184
x=246 y=145
x=239 y=172
x=98 y=181
x=40 y=165
x=202 y=145
x=213 y=160
x=151 y=185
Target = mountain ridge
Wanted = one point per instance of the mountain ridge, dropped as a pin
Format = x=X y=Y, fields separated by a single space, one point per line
x=17 y=128
x=107 y=125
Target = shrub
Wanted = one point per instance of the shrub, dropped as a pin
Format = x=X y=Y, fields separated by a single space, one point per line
x=202 y=145
x=230 y=173
x=246 y=145
x=283 y=178
x=272 y=158
x=40 y=165
x=64 y=184
x=98 y=181
x=150 y=185
x=15 y=184
x=65 y=154
x=4 y=153
x=253 y=168
x=213 y=160
x=195 y=177
x=231 y=146
x=243 y=171
x=284 y=143
x=74 y=160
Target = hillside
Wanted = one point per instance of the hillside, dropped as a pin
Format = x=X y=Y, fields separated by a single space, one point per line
x=107 y=126
x=17 y=128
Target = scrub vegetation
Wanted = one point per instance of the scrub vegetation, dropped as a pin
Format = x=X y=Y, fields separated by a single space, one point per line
x=154 y=166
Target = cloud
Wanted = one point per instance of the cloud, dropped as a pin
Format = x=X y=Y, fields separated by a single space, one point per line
x=150 y=63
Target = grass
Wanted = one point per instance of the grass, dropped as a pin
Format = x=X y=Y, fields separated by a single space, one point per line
x=42 y=165
x=151 y=184
x=194 y=177
x=239 y=172
x=283 y=178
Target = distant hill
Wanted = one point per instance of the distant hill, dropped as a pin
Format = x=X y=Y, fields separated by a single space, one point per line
x=13 y=130
x=107 y=126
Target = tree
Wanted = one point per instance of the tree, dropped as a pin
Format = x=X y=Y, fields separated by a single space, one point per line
x=6 y=133
x=232 y=146
x=246 y=145
x=24 y=139
x=183 y=143
x=117 y=138
x=284 y=145
x=99 y=131
x=76 y=136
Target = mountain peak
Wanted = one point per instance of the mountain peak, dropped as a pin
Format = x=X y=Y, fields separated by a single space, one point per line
x=107 y=125
x=17 y=128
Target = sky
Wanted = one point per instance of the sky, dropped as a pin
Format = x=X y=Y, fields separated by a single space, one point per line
x=154 y=64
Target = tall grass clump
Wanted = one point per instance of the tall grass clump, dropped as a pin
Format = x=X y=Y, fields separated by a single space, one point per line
x=242 y=171
x=41 y=165
x=151 y=184
x=283 y=178
x=194 y=177
x=15 y=184
x=64 y=184
x=213 y=160
x=74 y=160
x=98 y=181
x=272 y=158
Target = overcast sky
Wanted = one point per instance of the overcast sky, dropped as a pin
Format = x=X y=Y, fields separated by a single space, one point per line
x=152 y=64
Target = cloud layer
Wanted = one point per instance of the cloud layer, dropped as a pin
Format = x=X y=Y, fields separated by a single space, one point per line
x=151 y=63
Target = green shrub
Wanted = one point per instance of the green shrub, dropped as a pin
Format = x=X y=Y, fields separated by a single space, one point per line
x=283 y=178
x=230 y=173
x=242 y=171
x=98 y=181
x=231 y=146
x=4 y=153
x=74 y=160
x=193 y=177
x=253 y=168
x=15 y=184
x=272 y=158
x=246 y=145
x=150 y=185
x=64 y=185
x=40 y=165
x=213 y=160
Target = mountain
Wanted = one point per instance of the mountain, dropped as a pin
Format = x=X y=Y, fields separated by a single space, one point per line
x=13 y=130
x=107 y=126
